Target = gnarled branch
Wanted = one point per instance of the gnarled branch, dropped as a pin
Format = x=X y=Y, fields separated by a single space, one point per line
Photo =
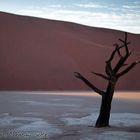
x=89 y=84
x=128 y=69
x=112 y=55
x=101 y=75
x=125 y=57
x=118 y=49
x=108 y=69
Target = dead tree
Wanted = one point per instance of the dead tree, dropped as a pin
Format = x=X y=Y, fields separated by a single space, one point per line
x=113 y=73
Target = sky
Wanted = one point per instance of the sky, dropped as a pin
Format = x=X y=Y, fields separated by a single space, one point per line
x=115 y=14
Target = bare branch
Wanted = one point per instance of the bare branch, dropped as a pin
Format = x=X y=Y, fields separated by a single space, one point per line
x=124 y=65
x=121 y=40
x=121 y=62
x=128 y=69
x=119 y=53
x=108 y=69
x=118 y=49
x=122 y=46
x=101 y=75
x=79 y=76
x=125 y=38
x=125 y=57
x=125 y=43
x=112 y=55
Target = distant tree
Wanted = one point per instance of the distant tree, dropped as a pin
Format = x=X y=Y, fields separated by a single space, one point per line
x=113 y=73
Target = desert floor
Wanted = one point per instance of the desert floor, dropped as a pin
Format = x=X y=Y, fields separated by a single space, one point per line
x=67 y=116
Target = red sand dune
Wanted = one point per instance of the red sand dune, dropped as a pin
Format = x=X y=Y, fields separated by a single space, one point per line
x=41 y=54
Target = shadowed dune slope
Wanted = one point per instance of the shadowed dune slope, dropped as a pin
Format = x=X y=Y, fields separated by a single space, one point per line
x=41 y=54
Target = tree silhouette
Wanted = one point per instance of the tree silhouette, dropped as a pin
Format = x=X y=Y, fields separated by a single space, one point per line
x=113 y=73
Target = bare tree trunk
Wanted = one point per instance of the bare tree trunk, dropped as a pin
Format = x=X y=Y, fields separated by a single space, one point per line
x=113 y=73
x=104 y=115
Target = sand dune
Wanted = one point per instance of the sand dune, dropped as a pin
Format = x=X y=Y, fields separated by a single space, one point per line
x=41 y=54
